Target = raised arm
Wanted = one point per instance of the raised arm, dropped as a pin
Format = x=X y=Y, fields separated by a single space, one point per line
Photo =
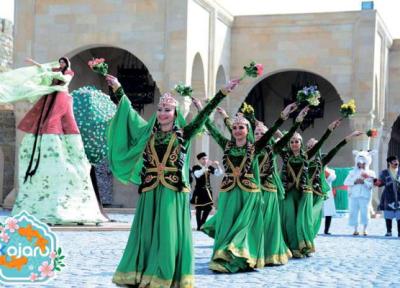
x=227 y=120
x=199 y=120
x=318 y=145
x=263 y=141
x=278 y=146
x=216 y=134
x=124 y=102
x=328 y=157
x=33 y=62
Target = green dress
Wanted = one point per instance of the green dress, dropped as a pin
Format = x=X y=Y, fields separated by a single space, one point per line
x=320 y=186
x=159 y=251
x=238 y=224
x=297 y=207
x=275 y=249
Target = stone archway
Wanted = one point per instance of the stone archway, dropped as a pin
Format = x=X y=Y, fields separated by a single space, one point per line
x=216 y=152
x=200 y=143
x=394 y=142
x=140 y=88
x=268 y=97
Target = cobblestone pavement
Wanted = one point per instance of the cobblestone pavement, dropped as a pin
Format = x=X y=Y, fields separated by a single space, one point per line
x=341 y=261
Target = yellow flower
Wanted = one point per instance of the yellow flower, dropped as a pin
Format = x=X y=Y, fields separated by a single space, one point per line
x=247 y=108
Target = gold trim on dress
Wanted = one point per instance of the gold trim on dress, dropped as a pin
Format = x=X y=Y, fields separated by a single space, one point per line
x=161 y=167
x=137 y=278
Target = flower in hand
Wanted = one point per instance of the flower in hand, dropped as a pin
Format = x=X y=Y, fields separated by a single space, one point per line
x=99 y=66
x=348 y=109
x=112 y=82
x=309 y=95
x=253 y=70
x=373 y=133
x=185 y=91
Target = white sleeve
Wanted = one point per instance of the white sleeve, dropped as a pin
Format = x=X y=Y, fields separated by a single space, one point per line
x=349 y=181
x=218 y=171
x=199 y=173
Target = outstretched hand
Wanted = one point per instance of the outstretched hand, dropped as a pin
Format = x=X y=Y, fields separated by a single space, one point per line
x=334 y=124
x=113 y=82
x=354 y=134
x=232 y=84
x=197 y=103
x=288 y=110
x=302 y=114
x=222 y=112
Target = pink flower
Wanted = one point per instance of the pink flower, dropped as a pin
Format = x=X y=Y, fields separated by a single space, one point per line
x=260 y=69
x=46 y=270
x=12 y=224
x=33 y=277
x=53 y=255
x=4 y=236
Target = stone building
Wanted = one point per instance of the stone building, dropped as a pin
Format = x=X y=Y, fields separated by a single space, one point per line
x=7 y=118
x=350 y=55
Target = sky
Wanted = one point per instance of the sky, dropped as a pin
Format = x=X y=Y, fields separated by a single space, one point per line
x=388 y=9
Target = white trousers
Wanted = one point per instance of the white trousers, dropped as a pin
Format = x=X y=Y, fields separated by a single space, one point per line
x=359 y=206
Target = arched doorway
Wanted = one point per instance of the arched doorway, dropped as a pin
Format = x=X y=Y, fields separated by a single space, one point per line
x=200 y=143
x=140 y=88
x=394 y=143
x=270 y=95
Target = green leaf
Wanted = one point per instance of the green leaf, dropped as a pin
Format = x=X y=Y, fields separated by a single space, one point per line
x=59 y=251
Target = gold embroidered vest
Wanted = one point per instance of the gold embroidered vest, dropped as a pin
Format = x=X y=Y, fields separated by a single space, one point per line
x=266 y=170
x=233 y=176
x=163 y=172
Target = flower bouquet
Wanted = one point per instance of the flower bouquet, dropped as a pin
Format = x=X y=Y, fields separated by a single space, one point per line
x=253 y=70
x=348 y=109
x=309 y=95
x=99 y=66
x=372 y=133
x=185 y=91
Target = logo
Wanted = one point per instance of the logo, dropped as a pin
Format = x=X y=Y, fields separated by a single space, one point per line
x=29 y=251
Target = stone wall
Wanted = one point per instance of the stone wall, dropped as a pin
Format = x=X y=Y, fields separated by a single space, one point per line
x=7 y=118
x=6 y=45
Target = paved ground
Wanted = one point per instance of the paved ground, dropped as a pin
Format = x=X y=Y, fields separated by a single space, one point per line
x=341 y=261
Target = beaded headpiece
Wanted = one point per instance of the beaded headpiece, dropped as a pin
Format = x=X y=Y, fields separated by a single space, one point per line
x=261 y=125
x=167 y=99
x=296 y=135
x=240 y=119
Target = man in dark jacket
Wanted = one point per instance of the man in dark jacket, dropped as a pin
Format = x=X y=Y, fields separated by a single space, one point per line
x=390 y=199
x=202 y=196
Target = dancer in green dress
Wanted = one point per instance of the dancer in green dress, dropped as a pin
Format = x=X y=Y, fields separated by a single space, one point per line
x=275 y=249
x=296 y=208
x=154 y=154
x=317 y=177
x=239 y=222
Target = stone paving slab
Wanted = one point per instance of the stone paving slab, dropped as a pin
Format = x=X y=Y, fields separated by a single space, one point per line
x=341 y=260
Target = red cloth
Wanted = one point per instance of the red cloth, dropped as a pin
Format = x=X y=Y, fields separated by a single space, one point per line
x=60 y=119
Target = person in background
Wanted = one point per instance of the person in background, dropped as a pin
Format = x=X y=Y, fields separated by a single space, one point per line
x=329 y=204
x=360 y=182
x=202 y=197
x=390 y=199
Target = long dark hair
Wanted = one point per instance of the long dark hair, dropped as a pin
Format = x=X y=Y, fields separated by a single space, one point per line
x=31 y=170
x=67 y=62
